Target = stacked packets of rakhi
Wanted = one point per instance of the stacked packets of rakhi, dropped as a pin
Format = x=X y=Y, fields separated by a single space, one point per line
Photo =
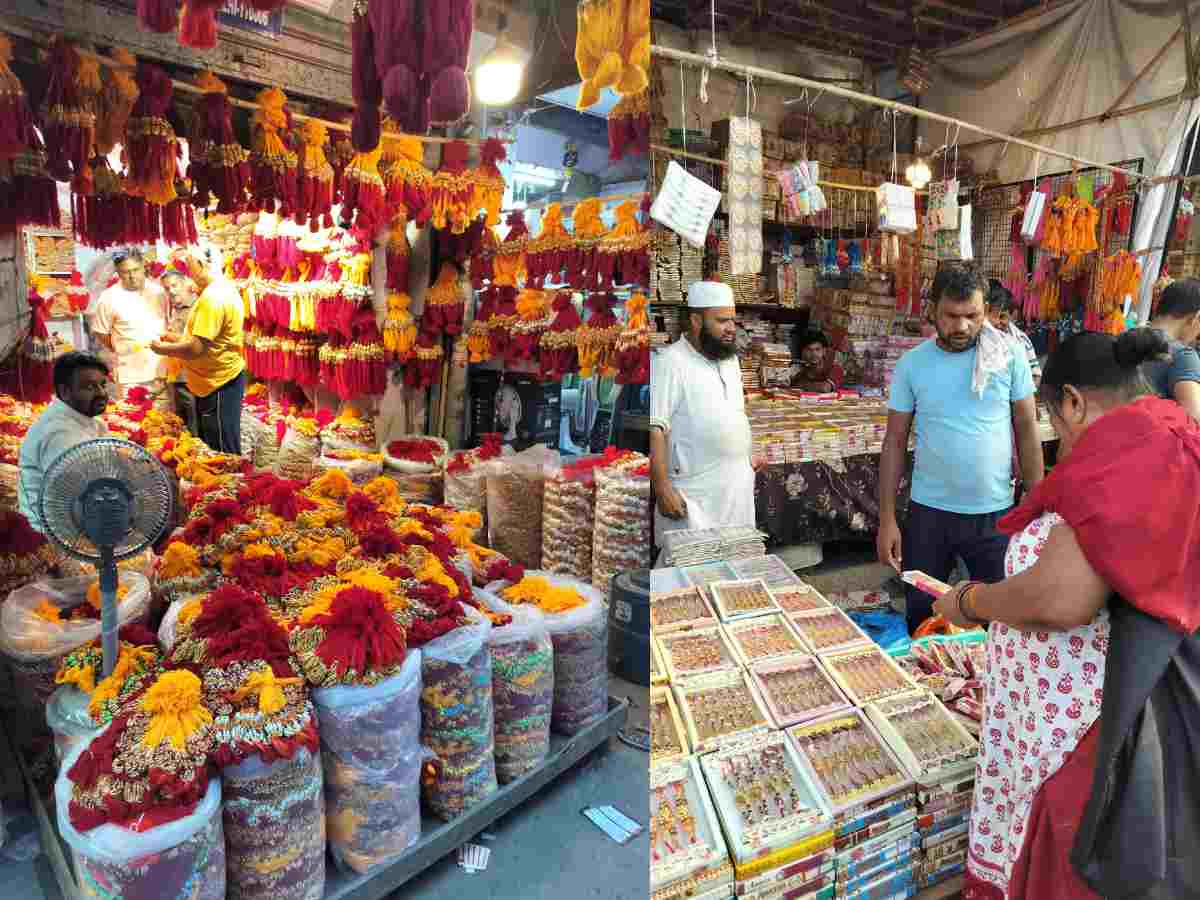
x=952 y=671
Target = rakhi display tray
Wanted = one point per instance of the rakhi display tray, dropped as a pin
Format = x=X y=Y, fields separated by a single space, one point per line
x=703 y=575
x=718 y=708
x=658 y=671
x=828 y=631
x=679 y=610
x=771 y=569
x=848 y=760
x=668 y=737
x=800 y=598
x=698 y=651
x=764 y=799
x=797 y=689
x=939 y=750
x=692 y=867
x=866 y=674
x=745 y=599
x=763 y=638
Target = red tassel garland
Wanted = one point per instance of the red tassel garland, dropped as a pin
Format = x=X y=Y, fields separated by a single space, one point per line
x=363 y=201
x=16 y=121
x=31 y=375
x=447 y=42
x=559 y=356
x=453 y=190
x=581 y=269
x=526 y=333
x=483 y=268
x=502 y=321
x=398 y=256
x=158 y=15
x=629 y=127
x=633 y=346
x=219 y=165
x=510 y=263
x=315 y=189
x=150 y=147
x=597 y=337
x=444 y=304
x=424 y=369
x=546 y=255
x=272 y=163
x=68 y=127
x=408 y=183
x=489 y=182
x=198 y=24
x=623 y=256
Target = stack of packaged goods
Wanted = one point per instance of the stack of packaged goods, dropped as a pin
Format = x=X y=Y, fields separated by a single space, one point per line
x=776 y=365
x=896 y=347
x=751 y=369
x=665 y=272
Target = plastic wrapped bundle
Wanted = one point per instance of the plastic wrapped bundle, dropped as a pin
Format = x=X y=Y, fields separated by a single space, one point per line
x=426 y=488
x=266 y=450
x=359 y=470
x=416 y=454
x=579 y=633
x=372 y=759
x=515 y=489
x=274 y=822
x=457 y=718
x=622 y=536
x=522 y=692
x=184 y=857
x=69 y=720
x=568 y=521
x=298 y=453
x=255 y=432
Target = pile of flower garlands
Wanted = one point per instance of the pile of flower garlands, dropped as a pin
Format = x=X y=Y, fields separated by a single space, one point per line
x=15 y=418
x=281 y=587
x=26 y=554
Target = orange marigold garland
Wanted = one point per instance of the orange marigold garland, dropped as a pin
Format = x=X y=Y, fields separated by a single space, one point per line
x=453 y=190
x=273 y=165
x=150 y=140
x=546 y=254
x=581 y=268
x=559 y=354
x=633 y=346
x=314 y=190
x=489 y=183
x=444 y=304
x=597 y=337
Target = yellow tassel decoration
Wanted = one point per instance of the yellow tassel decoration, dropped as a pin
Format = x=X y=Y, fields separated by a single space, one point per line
x=399 y=329
x=119 y=93
x=269 y=689
x=176 y=713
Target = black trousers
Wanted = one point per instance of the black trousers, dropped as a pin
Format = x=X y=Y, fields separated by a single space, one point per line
x=219 y=416
x=932 y=540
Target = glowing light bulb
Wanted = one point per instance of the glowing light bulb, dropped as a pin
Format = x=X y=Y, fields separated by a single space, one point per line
x=498 y=76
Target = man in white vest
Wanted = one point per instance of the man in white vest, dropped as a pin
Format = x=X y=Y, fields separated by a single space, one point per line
x=700 y=450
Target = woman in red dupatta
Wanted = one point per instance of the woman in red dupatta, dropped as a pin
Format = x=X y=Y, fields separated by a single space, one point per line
x=1117 y=516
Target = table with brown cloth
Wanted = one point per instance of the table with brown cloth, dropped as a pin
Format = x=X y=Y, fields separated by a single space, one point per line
x=820 y=501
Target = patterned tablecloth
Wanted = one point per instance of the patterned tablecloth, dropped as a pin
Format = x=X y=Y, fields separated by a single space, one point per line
x=823 y=500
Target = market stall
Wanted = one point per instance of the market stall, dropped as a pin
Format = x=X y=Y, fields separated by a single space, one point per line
x=382 y=624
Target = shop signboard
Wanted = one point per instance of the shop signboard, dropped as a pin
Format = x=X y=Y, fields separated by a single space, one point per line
x=240 y=14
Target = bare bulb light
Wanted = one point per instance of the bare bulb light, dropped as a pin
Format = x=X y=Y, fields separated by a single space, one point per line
x=498 y=75
x=918 y=174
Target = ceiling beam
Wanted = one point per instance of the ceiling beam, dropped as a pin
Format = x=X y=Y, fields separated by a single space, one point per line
x=829 y=8
x=960 y=10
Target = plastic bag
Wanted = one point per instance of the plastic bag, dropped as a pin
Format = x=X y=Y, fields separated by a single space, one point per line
x=254 y=432
x=418 y=488
x=887 y=629
x=580 y=638
x=467 y=489
x=297 y=454
x=266 y=449
x=181 y=858
x=412 y=467
x=371 y=755
x=568 y=521
x=359 y=471
x=274 y=820
x=68 y=717
x=457 y=717
x=522 y=690
x=622 y=532
x=515 y=488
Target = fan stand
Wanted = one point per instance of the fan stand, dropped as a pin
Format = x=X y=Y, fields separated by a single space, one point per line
x=106 y=504
x=108 y=609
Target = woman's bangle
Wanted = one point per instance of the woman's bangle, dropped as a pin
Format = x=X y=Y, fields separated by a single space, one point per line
x=964 y=608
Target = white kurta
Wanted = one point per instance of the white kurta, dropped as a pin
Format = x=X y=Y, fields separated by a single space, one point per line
x=701 y=403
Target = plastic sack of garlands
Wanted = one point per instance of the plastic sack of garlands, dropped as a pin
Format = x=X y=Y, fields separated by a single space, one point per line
x=44 y=621
x=360 y=466
x=466 y=474
x=371 y=754
x=622 y=536
x=456 y=717
x=149 y=859
x=426 y=488
x=274 y=820
x=569 y=509
x=515 y=488
x=415 y=454
x=522 y=690
x=577 y=620
x=68 y=717
x=255 y=433
x=298 y=452
x=141 y=563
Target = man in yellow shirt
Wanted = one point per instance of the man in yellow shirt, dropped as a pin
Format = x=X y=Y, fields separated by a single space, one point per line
x=210 y=349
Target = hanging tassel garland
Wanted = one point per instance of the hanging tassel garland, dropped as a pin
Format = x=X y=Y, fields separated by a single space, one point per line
x=150 y=139
x=582 y=268
x=399 y=329
x=509 y=267
x=446 y=47
x=314 y=189
x=424 y=369
x=546 y=255
x=198 y=24
x=363 y=201
x=633 y=346
x=525 y=334
x=559 y=354
x=220 y=166
x=489 y=182
x=119 y=93
x=597 y=337
x=408 y=183
x=68 y=128
x=478 y=334
x=599 y=45
x=629 y=127
x=623 y=257
x=273 y=165
x=16 y=121
x=158 y=15
x=444 y=304
x=452 y=190
x=398 y=256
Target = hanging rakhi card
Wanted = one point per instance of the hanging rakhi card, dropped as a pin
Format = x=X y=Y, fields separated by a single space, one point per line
x=745 y=167
x=943 y=205
x=685 y=204
x=897 y=206
x=966 y=247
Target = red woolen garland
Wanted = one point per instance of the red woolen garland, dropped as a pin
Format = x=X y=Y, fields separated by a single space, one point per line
x=273 y=165
x=424 y=369
x=447 y=43
x=559 y=356
x=443 y=313
x=158 y=15
x=69 y=128
x=32 y=376
x=150 y=146
x=219 y=165
x=198 y=25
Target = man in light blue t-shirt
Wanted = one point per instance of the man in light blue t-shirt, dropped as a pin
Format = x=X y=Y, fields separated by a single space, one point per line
x=963 y=472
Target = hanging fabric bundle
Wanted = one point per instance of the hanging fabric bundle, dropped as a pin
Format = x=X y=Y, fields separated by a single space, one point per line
x=314 y=190
x=478 y=337
x=119 y=93
x=624 y=254
x=399 y=329
x=509 y=266
x=150 y=139
x=525 y=335
x=629 y=127
x=158 y=15
x=582 y=269
x=559 y=355
x=219 y=166
x=502 y=321
x=597 y=337
x=198 y=24
x=546 y=255
x=446 y=47
x=488 y=182
x=453 y=190
x=424 y=369
x=398 y=255
x=384 y=46
x=599 y=46
x=444 y=304
x=68 y=128
x=408 y=183
x=362 y=194
x=633 y=346
x=32 y=378
x=272 y=163
x=28 y=195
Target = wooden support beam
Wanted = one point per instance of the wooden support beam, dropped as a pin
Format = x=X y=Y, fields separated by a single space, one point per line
x=1116 y=104
x=1079 y=123
x=959 y=10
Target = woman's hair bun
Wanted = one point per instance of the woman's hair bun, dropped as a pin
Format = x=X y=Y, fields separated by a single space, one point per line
x=1136 y=346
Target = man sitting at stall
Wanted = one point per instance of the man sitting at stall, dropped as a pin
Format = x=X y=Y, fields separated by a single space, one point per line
x=126 y=318
x=818 y=372
x=210 y=349
x=81 y=396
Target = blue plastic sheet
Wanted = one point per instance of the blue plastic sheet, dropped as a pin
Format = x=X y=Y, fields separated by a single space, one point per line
x=887 y=629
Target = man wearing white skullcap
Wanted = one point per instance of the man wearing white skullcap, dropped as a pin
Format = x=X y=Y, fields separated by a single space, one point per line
x=700 y=460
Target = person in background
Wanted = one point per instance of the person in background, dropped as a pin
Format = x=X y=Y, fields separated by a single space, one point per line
x=73 y=416
x=818 y=372
x=127 y=317
x=210 y=349
x=966 y=392
x=1177 y=375
x=1085 y=783
x=1001 y=310
x=701 y=467
x=181 y=291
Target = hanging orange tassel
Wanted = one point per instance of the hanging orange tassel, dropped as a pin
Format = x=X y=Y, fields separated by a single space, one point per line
x=68 y=127
x=408 y=183
x=363 y=201
x=478 y=334
x=623 y=256
x=315 y=183
x=546 y=254
x=119 y=93
x=399 y=329
x=509 y=267
x=581 y=268
x=559 y=354
x=444 y=304
x=533 y=313
x=272 y=163
x=150 y=140
x=597 y=337
x=452 y=190
x=633 y=346
x=489 y=183
x=220 y=166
